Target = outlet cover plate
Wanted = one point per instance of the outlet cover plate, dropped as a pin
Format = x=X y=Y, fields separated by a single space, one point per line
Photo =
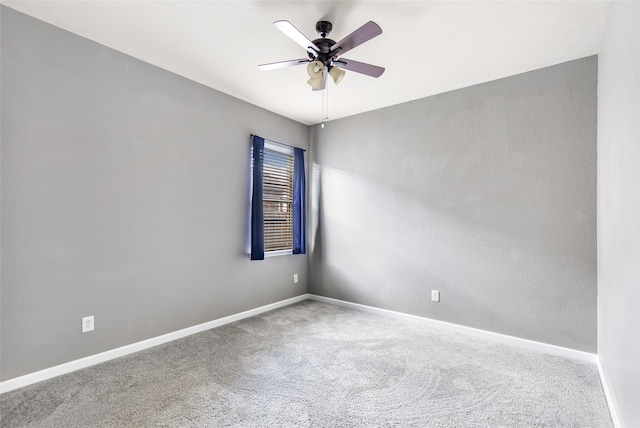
x=435 y=296
x=87 y=324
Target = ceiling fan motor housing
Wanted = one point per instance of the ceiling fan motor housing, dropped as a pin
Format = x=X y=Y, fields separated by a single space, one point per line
x=323 y=28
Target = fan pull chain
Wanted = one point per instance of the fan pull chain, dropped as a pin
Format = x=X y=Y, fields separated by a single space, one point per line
x=325 y=105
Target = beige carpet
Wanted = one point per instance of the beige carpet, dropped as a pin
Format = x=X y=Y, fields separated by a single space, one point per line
x=317 y=365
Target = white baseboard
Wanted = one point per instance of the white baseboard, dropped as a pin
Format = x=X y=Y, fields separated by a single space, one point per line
x=496 y=337
x=609 y=396
x=31 y=378
x=51 y=372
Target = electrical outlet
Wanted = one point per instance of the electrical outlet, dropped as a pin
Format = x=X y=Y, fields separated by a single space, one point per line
x=87 y=324
x=295 y=278
x=435 y=296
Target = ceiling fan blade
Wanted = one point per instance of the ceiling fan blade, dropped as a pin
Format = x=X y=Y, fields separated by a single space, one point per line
x=325 y=72
x=367 y=32
x=294 y=34
x=283 y=64
x=359 y=67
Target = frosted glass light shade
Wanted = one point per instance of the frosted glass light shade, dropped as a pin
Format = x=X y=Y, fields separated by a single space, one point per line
x=336 y=74
x=314 y=69
x=316 y=83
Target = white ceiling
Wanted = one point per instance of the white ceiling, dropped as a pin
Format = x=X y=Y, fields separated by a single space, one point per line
x=427 y=47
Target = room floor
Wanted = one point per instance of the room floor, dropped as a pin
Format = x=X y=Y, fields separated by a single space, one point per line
x=314 y=364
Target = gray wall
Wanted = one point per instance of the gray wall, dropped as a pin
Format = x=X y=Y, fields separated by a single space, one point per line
x=487 y=194
x=124 y=196
x=619 y=210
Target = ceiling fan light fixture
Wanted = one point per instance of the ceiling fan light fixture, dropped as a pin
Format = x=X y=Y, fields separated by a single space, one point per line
x=315 y=83
x=337 y=74
x=314 y=70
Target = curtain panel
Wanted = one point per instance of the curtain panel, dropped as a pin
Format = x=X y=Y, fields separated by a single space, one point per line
x=257 y=210
x=299 y=241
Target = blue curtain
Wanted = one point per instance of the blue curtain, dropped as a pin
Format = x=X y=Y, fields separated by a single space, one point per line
x=299 y=226
x=257 y=211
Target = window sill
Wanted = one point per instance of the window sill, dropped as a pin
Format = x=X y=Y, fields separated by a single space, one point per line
x=277 y=253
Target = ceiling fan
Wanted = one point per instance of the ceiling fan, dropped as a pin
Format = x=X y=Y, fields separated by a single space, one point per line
x=324 y=53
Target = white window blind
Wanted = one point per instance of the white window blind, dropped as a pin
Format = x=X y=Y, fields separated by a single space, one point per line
x=278 y=198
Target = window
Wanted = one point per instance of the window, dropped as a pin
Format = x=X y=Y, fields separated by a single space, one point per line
x=278 y=224
x=277 y=198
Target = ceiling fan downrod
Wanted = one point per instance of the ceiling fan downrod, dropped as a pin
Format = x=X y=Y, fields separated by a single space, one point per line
x=323 y=28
